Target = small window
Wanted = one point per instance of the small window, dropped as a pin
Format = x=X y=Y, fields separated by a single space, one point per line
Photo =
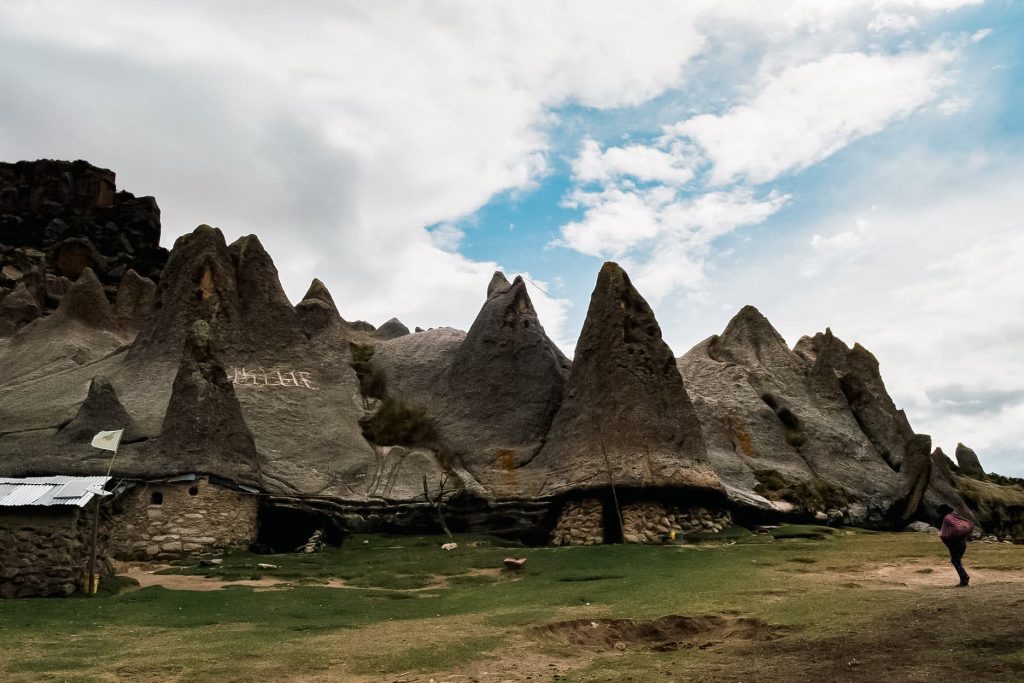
x=156 y=498
x=193 y=490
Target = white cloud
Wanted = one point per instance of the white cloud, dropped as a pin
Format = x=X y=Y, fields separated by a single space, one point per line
x=884 y=22
x=446 y=237
x=810 y=111
x=928 y=280
x=980 y=35
x=644 y=163
x=954 y=105
x=662 y=236
x=842 y=247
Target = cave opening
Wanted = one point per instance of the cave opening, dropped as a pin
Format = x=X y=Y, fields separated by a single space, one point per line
x=287 y=529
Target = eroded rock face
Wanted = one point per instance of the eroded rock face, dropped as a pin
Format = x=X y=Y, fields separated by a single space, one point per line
x=968 y=461
x=775 y=418
x=204 y=429
x=625 y=413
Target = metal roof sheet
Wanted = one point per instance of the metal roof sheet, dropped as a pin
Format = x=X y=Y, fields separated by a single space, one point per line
x=46 y=491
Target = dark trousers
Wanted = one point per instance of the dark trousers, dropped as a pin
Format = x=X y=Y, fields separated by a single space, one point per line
x=956 y=553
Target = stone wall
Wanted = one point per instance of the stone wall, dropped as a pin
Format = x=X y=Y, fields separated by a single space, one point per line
x=45 y=550
x=650 y=522
x=161 y=521
x=581 y=523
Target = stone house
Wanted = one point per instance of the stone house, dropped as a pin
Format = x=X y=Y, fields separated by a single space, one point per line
x=46 y=535
x=184 y=515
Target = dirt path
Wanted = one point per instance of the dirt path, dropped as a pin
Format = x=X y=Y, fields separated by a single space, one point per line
x=915 y=576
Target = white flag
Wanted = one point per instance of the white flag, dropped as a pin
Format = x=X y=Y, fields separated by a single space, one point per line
x=108 y=441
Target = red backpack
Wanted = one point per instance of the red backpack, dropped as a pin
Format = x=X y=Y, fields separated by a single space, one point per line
x=956 y=528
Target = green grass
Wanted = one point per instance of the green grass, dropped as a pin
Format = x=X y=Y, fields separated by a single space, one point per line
x=377 y=626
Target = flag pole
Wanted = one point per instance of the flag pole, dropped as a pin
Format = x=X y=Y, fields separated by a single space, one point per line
x=93 y=579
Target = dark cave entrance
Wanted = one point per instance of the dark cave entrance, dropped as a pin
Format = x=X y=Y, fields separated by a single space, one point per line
x=286 y=529
x=611 y=520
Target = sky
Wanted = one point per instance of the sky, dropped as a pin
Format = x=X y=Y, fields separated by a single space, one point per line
x=844 y=164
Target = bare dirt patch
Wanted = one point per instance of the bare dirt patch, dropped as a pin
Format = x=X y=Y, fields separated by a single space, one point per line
x=146 y=577
x=914 y=576
x=665 y=633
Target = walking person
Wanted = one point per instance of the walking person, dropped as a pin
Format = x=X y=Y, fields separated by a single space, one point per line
x=955 y=532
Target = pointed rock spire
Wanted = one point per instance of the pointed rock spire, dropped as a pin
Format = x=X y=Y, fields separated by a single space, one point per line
x=498 y=285
x=204 y=429
x=198 y=283
x=265 y=306
x=17 y=309
x=392 y=329
x=624 y=400
x=318 y=290
x=751 y=341
x=87 y=303
x=236 y=289
x=968 y=461
x=100 y=411
x=317 y=312
x=503 y=385
x=134 y=300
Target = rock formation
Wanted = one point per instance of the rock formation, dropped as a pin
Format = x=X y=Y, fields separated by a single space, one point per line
x=17 y=309
x=58 y=218
x=134 y=301
x=799 y=426
x=204 y=429
x=392 y=329
x=501 y=387
x=100 y=411
x=968 y=461
x=626 y=416
x=292 y=398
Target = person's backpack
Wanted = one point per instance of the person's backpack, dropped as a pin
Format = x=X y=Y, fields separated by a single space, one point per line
x=956 y=528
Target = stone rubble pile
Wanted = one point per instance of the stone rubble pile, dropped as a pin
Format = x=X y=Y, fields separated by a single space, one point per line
x=581 y=523
x=649 y=522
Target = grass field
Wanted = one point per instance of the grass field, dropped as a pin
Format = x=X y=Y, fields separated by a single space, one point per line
x=809 y=605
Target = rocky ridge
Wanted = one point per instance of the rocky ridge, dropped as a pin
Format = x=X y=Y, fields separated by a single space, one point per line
x=213 y=369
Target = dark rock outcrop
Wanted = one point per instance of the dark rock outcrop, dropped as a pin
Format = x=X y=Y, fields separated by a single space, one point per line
x=73 y=217
x=625 y=415
x=968 y=462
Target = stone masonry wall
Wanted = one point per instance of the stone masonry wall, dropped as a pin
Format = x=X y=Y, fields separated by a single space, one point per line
x=192 y=517
x=45 y=550
x=581 y=523
x=649 y=522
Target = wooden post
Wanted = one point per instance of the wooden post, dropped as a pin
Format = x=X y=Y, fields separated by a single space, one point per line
x=611 y=483
x=93 y=579
x=93 y=583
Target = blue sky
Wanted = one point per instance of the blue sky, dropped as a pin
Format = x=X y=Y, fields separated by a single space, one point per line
x=846 y=164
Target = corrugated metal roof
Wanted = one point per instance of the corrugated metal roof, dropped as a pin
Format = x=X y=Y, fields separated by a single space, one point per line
x=55 y=490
